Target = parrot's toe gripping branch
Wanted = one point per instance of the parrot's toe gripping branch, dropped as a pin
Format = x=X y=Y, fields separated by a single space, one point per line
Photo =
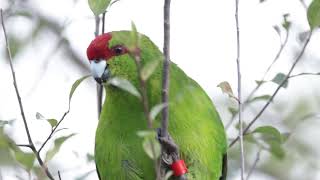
x=170 y=156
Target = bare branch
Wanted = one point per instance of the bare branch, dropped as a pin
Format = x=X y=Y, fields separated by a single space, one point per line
x=245 y=103
x=166 y=69
x=54 y=130
x=242 y=166
x=31 y=144
x=298 y=58
x=255 y=163
x=305 y=74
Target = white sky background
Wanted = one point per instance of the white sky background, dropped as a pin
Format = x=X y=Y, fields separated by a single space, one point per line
x=202 y=43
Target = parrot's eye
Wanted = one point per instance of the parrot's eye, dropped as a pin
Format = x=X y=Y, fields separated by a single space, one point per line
x=118 y=50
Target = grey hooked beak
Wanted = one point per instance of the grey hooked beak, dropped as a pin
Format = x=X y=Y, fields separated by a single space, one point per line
x=100 y=71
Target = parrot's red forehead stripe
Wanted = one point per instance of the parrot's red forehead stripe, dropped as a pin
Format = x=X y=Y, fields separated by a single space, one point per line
x=98 y=48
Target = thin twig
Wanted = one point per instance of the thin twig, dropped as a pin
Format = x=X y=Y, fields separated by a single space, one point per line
x=166 y=69
x=54 y=129
x=144 y=99
x=255 y=163
x=31 y=144
x=24 y=145
x=59 y=175
x=245 y=102
x=298 y=58
x=242 y=166
x=304 y=74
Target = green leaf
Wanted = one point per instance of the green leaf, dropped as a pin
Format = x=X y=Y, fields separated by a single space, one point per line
x=260 y=82
x=157 y=109
x=57 y=144
x=258 y=98
x=134 y=35
x=226 y=88
x=314 y=14
x=276 y=149
x=75 y=85
x=98 y=6
x=25 y=159
x=124 y=85
x=2 y=123
x=148 y=69
x=52 y=122
x=90 y=157
x=269 y=133
x=152 y=147
x=39 y=116
x=286 y=24
x=233 y=111
x=279 y=78
x=146 y=134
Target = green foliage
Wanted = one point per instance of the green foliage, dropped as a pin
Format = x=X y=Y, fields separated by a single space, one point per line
x=150 y=144
x=25 y=159
x=98 y=6
x=313 y=14
x=156 y=110
x=148 y=69
x=124 y=85
x=279 y=78
x=75 y=85
x=286 y=23
x=57 y=144
x=226 y=88
x=259 y=98
x=52 y=122
x=272 y=137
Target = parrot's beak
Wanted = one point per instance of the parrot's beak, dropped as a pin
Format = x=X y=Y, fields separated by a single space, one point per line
x=100 y=71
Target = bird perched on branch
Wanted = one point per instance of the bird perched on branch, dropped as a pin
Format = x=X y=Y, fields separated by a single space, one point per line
x=194 y=123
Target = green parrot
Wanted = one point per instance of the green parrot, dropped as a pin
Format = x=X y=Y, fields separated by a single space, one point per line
x=194 y=123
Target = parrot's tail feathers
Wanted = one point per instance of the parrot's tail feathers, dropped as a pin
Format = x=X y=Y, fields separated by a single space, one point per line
x=224 y=167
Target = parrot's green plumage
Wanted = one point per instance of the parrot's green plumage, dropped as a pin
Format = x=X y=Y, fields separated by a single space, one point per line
x=194 y=122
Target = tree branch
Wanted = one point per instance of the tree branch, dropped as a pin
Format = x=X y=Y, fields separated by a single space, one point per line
x=255 y=163
x=31 y=144
x=242 y=166
x=298 y=58
x=245 y=103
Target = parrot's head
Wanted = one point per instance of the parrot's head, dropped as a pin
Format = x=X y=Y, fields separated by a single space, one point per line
x=99 y=52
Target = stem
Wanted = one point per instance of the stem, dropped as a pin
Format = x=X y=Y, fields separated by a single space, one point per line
x=255 y=163
x=276 y=91
x=242 y=166
x=245 y=103
x=31 y=144
x=166 y=69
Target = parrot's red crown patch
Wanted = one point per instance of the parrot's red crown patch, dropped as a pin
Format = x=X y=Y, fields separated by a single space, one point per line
x=98 y=48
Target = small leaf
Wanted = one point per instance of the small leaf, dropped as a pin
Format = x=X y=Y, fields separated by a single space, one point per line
x=2 y=123
x=226 y=88
x=39 y=116
x=151 y=147
x=75 y=85
x=146 y=133
x=25 y=159
x=276 y=149
x=124 y=85
x=260 y=82
x=269 y=133
x=98 y=6
x=148 y=69
x=233 y=111
x=53 y=122
x=277 y=29
x=156 y=110
x=258 y=98
x=57 y=144
x=134 y=35
x=314 y=14
x=286 y=24
x=279 y=78
x=90 y=157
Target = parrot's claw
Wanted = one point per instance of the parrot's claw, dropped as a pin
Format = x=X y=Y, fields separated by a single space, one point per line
x=171 y=150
